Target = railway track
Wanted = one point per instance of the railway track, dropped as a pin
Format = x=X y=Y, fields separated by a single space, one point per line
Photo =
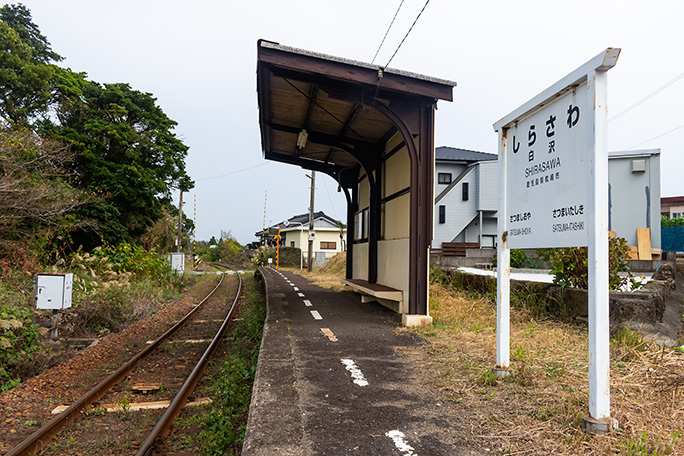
x=153 y=372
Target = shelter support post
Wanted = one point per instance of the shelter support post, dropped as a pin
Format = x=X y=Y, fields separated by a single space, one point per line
x=374 y=224
x=352 y=197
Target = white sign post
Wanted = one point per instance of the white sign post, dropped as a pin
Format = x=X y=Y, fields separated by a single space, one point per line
x=553 y=160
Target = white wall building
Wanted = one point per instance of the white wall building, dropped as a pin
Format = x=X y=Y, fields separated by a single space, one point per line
x=329 y=239
x=467 y=193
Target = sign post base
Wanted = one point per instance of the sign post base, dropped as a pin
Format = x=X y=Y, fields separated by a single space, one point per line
x=599 y=426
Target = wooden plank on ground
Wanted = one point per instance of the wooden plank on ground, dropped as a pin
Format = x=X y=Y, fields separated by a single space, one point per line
x=633 y=252
x=644 y=243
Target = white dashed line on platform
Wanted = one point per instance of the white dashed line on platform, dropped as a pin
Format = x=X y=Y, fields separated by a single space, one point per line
x=329 y=334
x=316 y=315
x=355 y=372
x=301 y=295
x=307 y=303
x=400 y=443
x=295 y=288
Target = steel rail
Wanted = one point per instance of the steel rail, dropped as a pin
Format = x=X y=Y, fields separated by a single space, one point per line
x=37 y=441
x=181 y=397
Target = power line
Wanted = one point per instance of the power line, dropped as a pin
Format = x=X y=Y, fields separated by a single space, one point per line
x=234 y=172
x=407 y=33
x=656 y=137
x=388 y=29
x=647 y=97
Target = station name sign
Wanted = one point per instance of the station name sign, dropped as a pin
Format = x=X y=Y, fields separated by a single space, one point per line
x=547 y=156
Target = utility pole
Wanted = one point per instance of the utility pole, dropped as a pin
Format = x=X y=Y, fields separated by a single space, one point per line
x=312 y=233
x=180 y=222
x=263 y=229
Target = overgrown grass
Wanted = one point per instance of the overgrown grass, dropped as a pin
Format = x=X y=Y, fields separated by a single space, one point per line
x=113 y=287
x=329 y=276
x=538 y=409
x=19 y=335
x=223 y=428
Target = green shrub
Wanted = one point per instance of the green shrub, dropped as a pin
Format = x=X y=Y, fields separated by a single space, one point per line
x=518 y=258
x=127 y=257
x=668 y=223
x=570 y=264
x=288 y=256
x=19 y=336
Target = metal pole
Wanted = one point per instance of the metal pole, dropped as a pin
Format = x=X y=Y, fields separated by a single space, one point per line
x=301 y=244
x=311 y=220
x=503 y=269
x=194 y=234
x=263 y=229
x=599 y=343
x=180 y=222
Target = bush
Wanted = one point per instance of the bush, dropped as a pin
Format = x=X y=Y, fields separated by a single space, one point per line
x=227 y=251
x=570 y=264
x=19 y=336
x=668 y=223
x=287 y=257
x=518 y=259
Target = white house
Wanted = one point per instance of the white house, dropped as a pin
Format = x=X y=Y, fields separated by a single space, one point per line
x=467 y=193
x=466 y=197
x=329 y=238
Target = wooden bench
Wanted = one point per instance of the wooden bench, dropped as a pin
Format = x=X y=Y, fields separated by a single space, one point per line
x=388 y=297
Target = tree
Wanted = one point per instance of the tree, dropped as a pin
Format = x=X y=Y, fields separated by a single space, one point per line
x=24 y=84
x=126 y=151
x=36 y=200
x=18 y=17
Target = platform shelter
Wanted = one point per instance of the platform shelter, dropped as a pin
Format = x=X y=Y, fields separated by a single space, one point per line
x=372 y=130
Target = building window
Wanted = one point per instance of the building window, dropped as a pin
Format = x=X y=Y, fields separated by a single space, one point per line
x=444 y=178
x=488 y=241
x=328 y=245
x=465 y=191
x=361 y=225
x=291 y=243
x=442 y=214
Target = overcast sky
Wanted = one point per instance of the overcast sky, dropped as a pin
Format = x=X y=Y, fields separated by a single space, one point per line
x=199 y=60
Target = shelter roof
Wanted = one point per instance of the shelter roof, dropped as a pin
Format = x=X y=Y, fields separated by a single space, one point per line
x=314 y=108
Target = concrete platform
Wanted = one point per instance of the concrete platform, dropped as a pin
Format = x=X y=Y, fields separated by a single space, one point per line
x=330 y=380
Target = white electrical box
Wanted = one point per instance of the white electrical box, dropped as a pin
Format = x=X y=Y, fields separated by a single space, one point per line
x=53 y=291
x=312 y=235
x=177 y=261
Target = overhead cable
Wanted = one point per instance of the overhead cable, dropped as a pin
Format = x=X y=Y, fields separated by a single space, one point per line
x=234 y=172
x=407 y=33
x=656 y=137
x=647 y=97
x=388 y=29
